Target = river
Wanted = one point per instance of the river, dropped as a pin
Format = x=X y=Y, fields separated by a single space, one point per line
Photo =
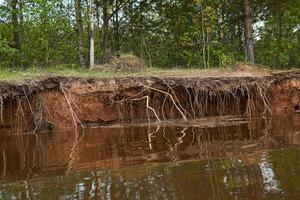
x=213 y=158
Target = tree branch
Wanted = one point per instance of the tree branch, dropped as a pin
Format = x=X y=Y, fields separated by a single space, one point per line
x=119 y=7
x=3 y=22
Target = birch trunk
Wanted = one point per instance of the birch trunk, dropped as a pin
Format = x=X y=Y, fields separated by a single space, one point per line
x=92 y=43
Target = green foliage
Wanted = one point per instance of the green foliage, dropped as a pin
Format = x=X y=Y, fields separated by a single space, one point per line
x=6 y=52
x=184 y=33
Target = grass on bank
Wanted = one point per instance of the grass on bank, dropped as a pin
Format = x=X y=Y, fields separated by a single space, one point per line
x=35 y=73
x=17 y=75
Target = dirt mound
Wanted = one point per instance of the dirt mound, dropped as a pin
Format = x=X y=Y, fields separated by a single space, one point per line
x=123 y=63
x=245 y=69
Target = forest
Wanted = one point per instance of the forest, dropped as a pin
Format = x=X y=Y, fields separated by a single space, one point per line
x=164 y=33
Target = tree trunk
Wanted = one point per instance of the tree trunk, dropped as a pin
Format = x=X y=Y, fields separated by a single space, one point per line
x=104 y=43
x=92 y=44
x=279 y=39
x=21 y=20
x=248 y=32
x=79 y=30
x=97 y=5
x=15 y=24
x=203 y=38
x=117 y=37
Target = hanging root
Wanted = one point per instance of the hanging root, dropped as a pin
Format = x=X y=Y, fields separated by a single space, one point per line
x=175 y=98
x=262 y=92
x=73 y=114
x=171 y=97
x=148 y=106
x=213 y=97
x=1 y=109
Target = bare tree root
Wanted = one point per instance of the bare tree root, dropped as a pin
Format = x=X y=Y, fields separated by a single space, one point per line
x=22 y=113
x=148 y=106
x=73 y=114
x=25 y=94
x=190 y=101
x=163 y=107
x=171 y=97
x=1 y=108
x=175 y=98
x=264 y=99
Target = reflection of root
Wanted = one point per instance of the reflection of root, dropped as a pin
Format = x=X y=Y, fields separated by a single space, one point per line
x=4 y=162
x=151 y=135
x=148 y=106
x=74 y=150
x=173 y=154
x=34 y=160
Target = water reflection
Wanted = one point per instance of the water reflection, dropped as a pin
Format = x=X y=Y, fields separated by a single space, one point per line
x=269 y=181
x=218 y=160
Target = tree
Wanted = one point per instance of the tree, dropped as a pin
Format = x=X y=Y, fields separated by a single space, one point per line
x=185 y=33
x=15 y=24
x=248 y=32
x=92 y=42
x=80 y=36
x=105 y=29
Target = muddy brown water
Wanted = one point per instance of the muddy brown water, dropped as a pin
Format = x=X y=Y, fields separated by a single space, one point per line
x=220 y=158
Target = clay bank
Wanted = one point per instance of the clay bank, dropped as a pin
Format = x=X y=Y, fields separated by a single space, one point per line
x=61 y=102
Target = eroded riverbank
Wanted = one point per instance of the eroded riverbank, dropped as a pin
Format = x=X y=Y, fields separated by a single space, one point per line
x=60 y=102
x=235 y=137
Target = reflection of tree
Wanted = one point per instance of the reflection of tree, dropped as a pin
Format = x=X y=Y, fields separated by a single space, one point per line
x=231 y=163
x=212 y=179
x=286 y=168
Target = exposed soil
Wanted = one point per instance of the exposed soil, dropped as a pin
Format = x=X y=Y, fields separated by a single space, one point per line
x=60 y=102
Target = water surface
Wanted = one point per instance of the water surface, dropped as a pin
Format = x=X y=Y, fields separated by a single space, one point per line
x=219 y=158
